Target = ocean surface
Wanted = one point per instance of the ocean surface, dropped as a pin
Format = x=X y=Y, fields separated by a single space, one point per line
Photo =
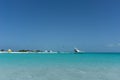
x=86 y=66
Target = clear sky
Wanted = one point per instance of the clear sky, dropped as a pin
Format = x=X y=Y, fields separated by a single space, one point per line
x=90 y=25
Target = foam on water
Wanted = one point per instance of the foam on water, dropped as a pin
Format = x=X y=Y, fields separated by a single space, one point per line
x=59 y=67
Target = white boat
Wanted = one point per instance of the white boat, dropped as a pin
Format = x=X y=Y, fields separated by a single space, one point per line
x=76 y=50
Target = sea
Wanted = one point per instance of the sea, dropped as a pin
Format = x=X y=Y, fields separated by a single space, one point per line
x=65 y=66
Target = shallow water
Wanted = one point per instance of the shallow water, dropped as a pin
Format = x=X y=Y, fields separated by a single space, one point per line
x=87 y=66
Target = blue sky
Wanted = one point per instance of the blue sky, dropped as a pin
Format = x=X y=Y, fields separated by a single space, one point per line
x=90 y=25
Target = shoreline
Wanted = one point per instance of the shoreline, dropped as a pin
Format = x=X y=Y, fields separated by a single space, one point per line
x=28 y=52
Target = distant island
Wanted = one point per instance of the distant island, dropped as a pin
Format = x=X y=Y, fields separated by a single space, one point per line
x=34 y=51
x=24 y=50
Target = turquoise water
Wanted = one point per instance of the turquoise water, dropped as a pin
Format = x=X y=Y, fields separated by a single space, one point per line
x=87 y=66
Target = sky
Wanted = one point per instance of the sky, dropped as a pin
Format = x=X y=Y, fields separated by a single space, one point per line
x=90 y=25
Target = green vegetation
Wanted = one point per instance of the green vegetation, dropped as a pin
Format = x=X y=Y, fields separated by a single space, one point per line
x=2 y=50
x=23 y=50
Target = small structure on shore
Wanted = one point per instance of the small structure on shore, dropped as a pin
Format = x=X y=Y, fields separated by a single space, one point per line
x=9 y=50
